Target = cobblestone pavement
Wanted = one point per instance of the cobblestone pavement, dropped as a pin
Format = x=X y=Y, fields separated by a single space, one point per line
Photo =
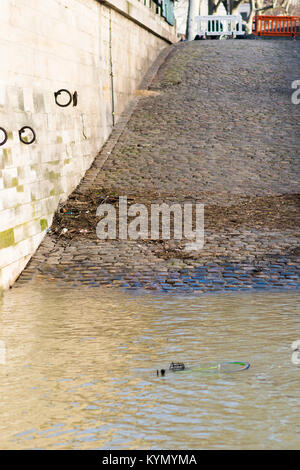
x=216 y=126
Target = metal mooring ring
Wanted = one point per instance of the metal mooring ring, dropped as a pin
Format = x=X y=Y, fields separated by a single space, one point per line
x=5 y=136
x=23 y=130
x=75 y=98
x=57 y=93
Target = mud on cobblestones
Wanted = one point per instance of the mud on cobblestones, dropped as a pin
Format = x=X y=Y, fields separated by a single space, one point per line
x=220 y=129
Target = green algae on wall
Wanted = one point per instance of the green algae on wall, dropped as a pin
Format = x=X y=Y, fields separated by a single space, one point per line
x=14 y=182
x=7 y=238
x=10 y=182
x=7 y=157
x=51 y=175
x=44 y=224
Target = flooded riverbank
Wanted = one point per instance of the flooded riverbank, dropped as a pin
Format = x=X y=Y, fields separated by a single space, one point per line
x=79 y=370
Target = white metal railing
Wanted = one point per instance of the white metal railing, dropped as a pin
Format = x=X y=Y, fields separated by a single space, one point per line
x=214 y=25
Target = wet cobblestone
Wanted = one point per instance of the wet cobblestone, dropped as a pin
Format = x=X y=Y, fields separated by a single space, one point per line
x=221 y=129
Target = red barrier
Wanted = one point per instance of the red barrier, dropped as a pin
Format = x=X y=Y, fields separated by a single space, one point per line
x=276 y=26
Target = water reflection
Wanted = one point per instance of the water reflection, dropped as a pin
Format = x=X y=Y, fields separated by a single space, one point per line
x=80 y=370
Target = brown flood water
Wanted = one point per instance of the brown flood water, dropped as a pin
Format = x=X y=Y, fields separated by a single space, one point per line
x=78 y=370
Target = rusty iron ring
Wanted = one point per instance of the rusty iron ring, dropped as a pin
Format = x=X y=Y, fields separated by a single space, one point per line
x=57 y=93
x=5 y=136
x=21 y=132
